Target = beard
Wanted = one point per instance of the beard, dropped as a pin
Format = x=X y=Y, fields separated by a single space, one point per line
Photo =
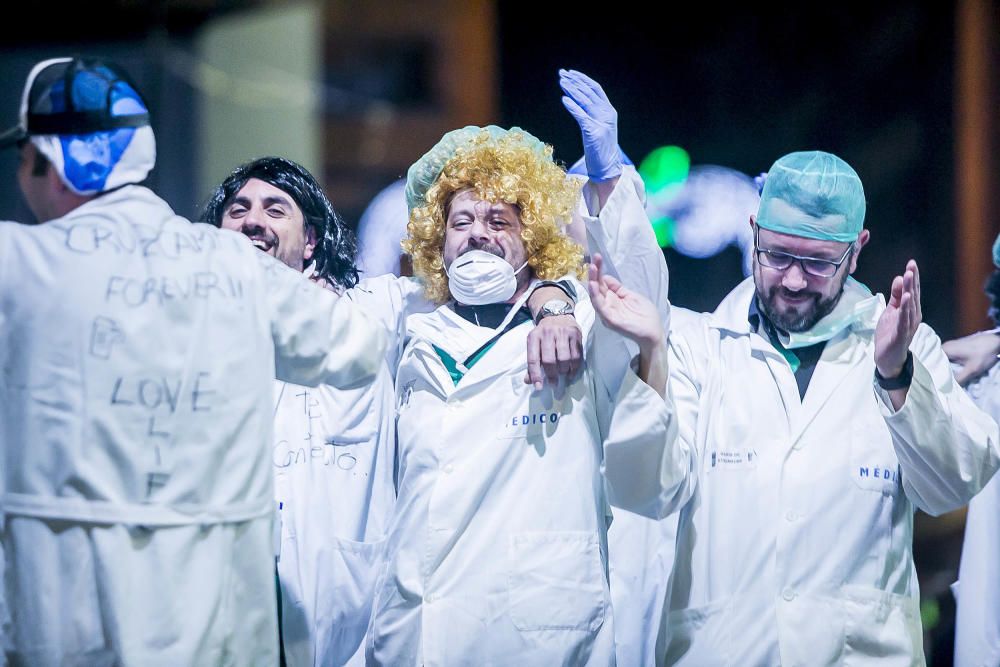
x=802 y=317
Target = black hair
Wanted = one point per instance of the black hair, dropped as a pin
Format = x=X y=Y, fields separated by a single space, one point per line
x=992 y=290
x=335 y=242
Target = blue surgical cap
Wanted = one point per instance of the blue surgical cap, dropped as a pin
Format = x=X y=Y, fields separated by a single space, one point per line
x=815 y=195
x=996 y=252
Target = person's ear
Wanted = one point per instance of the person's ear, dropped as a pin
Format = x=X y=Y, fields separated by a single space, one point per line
x=859 y=243
x=310 y=247
x=55 y=184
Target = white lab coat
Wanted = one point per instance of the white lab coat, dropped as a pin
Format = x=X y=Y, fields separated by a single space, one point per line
x=334 y=457
x=977 y=592
x=640 y=548
x=795 y=532
x=138 y=353
x=497 y=554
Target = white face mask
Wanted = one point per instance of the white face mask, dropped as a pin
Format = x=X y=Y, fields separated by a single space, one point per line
x=856 y=304
x=477 y=278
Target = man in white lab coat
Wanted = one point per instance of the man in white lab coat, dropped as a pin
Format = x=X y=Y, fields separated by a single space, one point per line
x=334 y=450
x=137 y=359
x=819 y=417
x=640 y=548
x=977 y=619
x=497 y=554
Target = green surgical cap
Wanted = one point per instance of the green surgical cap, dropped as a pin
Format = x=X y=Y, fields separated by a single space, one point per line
x=422 y=173
x=815 y=195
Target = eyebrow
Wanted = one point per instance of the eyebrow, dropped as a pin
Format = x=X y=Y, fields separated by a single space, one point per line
x=836 y=255
x=272 y=199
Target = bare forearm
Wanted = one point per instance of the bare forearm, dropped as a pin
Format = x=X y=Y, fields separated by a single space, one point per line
x=653 y=366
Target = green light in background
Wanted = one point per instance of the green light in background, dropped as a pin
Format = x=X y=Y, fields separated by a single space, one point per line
x=665 y=166
x=930 y=613
x=664 y=230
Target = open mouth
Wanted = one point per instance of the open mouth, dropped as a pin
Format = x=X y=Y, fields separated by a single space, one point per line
x=263 y=244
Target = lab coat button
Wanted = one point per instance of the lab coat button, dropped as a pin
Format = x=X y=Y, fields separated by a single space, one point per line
x=788 y=594
x=449 y=468
x=790 y=515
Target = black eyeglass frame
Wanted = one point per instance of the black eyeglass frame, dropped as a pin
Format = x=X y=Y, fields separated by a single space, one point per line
x=804 y=262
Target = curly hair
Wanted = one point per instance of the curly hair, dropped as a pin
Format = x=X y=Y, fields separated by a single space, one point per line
x=335 y=242
x=506 y=170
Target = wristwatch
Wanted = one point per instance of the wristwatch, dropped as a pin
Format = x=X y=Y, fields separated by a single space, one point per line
x=901 y=381
x=554 y=307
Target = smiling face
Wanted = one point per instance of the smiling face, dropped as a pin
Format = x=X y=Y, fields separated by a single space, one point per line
x=273 y=222
x=791 y=298
x=474 y=224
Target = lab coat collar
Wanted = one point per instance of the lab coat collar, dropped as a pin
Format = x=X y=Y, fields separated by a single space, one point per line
x=458 y=337
x=731 y=315
x=121 y=203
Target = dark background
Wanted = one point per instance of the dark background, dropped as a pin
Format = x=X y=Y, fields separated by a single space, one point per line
x=737 y=86
x=742 y=86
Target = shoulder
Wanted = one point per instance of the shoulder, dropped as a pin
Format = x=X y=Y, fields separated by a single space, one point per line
x=384 y=289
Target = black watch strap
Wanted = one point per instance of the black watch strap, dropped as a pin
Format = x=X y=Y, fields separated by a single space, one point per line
x=564 y=285
x=901 y=381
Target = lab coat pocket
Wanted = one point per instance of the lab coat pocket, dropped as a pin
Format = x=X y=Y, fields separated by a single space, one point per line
x=883 y=624
x=556 y=581
x=352 y=575
x=873 y=463
x=699 y=632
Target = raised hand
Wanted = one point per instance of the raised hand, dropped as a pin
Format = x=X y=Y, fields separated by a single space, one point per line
x=622 y=310
x=898 y=323
x=589 y=105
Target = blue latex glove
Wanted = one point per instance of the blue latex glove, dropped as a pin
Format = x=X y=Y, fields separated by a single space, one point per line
x=589 y=105
x=580 y=166
x=759 y=181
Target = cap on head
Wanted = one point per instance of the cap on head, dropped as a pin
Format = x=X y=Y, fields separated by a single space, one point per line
x=89 y=120
x=996 y=252
x=422 y=173
x=815 y=195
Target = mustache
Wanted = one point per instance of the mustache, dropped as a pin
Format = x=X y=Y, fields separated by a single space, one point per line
x=486 y=247
x=789 y=294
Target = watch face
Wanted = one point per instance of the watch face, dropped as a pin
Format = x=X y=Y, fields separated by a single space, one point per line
x=557 y=308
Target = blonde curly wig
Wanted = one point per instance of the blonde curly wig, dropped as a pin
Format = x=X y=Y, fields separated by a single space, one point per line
x=514 y=168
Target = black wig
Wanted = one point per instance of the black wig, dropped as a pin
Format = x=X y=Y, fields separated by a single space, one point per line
x=335 y=242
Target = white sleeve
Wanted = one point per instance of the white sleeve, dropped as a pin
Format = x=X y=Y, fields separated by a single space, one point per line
x=650 y=463
x=318 y=337
x=390 y=300
x=977 y=621
x=622 y=233
x=5 y=637
x=948 y=449
x=4 y=289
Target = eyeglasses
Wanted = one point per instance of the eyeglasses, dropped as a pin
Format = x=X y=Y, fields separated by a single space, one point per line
x=780 y=261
